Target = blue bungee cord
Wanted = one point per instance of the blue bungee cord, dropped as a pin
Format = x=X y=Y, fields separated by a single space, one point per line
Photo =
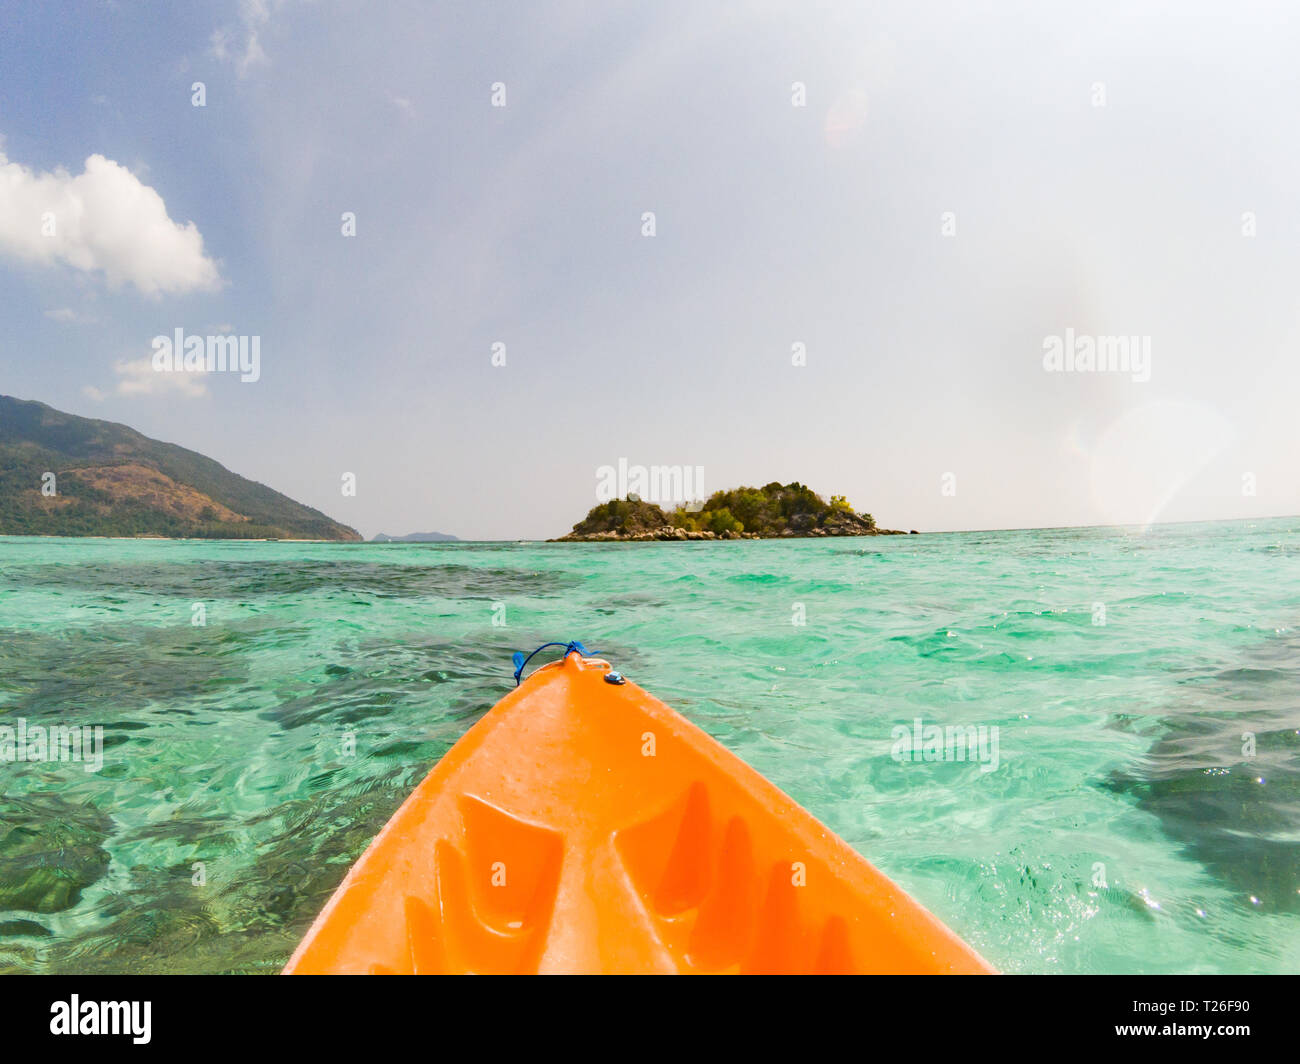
x=521 y=661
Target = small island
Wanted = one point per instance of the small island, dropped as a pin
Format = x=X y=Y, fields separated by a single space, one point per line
x=416 y=537
x=770 y=512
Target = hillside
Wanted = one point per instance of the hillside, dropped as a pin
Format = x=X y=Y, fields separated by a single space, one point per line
x=112 y=481
x=774 y=510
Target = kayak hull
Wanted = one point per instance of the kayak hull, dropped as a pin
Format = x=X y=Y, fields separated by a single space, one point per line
x=583 y=826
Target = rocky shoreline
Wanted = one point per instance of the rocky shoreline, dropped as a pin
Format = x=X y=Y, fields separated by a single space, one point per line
x=668 y=535
x=836 y=525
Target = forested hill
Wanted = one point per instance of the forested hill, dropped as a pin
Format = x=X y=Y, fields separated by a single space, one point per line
x=109 y=480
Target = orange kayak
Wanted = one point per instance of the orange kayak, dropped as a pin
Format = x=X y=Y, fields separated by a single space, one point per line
x=583 y=826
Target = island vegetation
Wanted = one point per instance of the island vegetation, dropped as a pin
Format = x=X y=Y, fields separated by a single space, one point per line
x=772 y=511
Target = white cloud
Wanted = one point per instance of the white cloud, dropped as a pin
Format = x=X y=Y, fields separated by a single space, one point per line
x=137 y=377
x=62 y=314
x=103 y=219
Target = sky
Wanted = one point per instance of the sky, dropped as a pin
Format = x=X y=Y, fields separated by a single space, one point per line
x=871 y=225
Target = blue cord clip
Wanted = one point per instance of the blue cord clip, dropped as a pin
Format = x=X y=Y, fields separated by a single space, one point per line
x=569 y=648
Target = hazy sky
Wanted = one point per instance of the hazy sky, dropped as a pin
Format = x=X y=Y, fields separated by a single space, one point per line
x=964 y=182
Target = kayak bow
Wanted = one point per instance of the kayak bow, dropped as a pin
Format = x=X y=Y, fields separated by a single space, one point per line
x=584 y=826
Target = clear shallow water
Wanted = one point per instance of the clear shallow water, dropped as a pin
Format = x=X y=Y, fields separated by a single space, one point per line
x=1119 y=745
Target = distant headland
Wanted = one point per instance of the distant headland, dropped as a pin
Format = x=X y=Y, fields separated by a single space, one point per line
x=773 y=511
x=63 y=475
x=416 y=537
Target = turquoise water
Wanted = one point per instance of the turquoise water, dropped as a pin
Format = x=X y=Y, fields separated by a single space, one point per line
x=1120 y=750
